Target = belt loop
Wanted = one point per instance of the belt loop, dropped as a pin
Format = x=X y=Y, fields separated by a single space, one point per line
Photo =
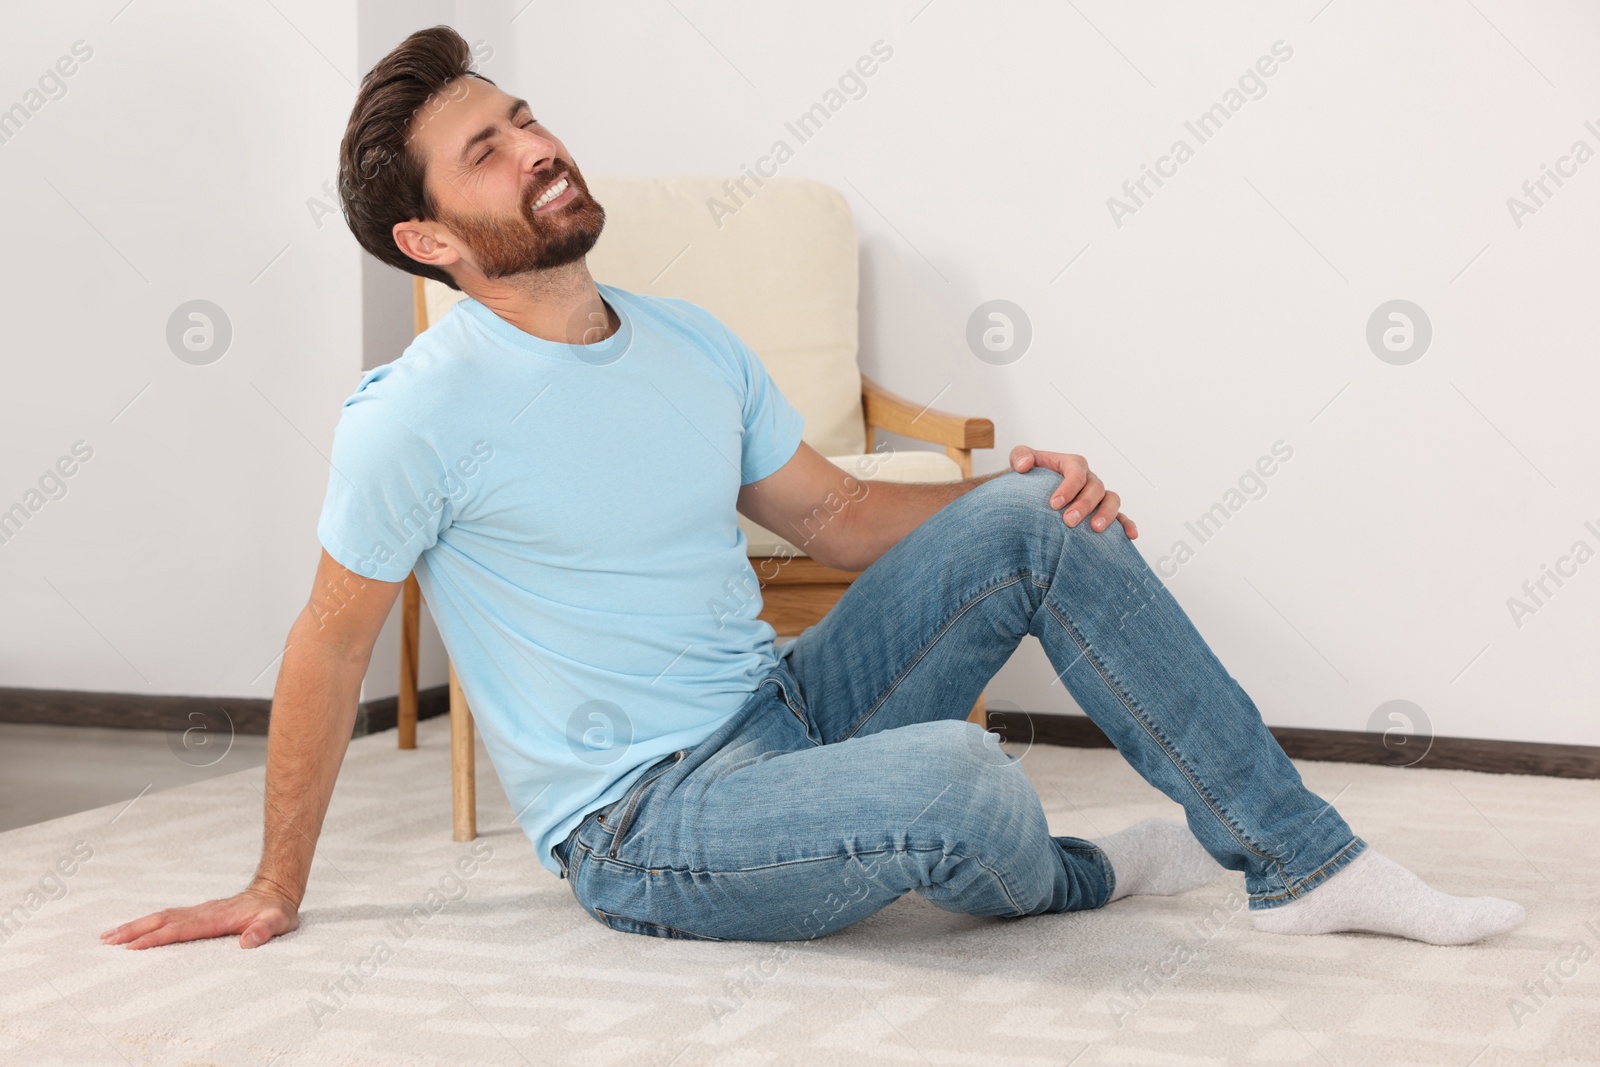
x=566 y=847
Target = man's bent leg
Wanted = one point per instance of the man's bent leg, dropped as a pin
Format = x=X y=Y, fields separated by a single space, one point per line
x=923 y=630
x=758 y=834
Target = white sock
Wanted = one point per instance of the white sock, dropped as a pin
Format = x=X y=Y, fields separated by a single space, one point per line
x=1374 y=894
x=1157 y=857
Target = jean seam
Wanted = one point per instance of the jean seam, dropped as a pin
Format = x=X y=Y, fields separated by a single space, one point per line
x=580 y=851
x=610 y=861
x=681 y=934
x=1100 y=857
x=944 y=627
x=613 y=861
x=634 y=796
x=1299 y=889
x=794 y=705
x=1161 y=742
x=1004 y=889
x=1001 y=882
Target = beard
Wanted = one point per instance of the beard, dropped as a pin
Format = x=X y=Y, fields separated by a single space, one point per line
x=533 y=241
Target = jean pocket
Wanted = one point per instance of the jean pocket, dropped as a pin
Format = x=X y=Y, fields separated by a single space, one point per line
x=624 y=925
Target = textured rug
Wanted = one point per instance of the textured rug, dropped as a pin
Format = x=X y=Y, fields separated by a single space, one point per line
x=506 y=969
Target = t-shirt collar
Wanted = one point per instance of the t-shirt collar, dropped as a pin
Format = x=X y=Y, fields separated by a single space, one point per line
x=599 y=354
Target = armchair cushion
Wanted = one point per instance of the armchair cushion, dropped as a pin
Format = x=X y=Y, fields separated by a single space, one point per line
x=778 y=267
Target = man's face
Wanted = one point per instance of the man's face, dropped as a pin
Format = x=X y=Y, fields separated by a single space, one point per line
x=507 y=192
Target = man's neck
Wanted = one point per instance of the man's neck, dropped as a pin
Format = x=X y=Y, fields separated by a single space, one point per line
x=561 y=304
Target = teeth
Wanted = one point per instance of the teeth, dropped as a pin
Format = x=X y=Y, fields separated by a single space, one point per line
x=550 y=194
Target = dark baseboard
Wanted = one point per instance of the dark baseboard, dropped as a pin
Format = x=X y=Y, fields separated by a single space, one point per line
x=383 y=714
x=135 y=711
x=132 y=711
x=1345 y=746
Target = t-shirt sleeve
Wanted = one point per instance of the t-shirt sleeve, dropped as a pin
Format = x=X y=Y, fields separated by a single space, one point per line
x=389 y=496
x=772 y=425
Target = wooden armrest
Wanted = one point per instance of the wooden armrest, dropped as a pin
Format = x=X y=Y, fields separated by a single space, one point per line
x=893 y=412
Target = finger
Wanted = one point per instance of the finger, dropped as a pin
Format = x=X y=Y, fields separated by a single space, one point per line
x=185 y=930
x=256 y=934
x=1022 y=459
x=1074 y=474
x=1106 y=513
x=166 y=935
x=1128 y=526
x=130 y=930
x=1074 y=482
x=1088 y=498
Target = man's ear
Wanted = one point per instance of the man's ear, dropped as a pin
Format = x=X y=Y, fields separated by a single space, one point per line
x=425 y=243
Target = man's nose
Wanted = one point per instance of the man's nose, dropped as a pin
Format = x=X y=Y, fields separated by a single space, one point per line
x=536 y=151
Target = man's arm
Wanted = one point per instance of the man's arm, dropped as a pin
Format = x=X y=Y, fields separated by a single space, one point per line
x=313 y=710
x=846 y=522
x=890 y=510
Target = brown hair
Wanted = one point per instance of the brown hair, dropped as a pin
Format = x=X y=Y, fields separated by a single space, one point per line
x=380 y=176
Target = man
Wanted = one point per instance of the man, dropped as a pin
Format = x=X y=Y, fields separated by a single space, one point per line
x=561 y=462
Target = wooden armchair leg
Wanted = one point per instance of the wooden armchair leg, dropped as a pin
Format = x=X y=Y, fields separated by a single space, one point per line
x=463 y=782
x=410 y=620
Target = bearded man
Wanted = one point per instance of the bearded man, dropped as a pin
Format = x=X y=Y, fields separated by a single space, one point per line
x=561 y=463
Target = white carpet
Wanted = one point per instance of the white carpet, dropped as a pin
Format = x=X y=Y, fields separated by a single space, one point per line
x=514 y=972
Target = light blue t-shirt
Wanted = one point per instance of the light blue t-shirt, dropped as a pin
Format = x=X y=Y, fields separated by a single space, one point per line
x=569 y=513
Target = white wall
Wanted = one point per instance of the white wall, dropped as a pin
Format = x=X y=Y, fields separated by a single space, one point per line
x=177 y=165
x=1221 y=317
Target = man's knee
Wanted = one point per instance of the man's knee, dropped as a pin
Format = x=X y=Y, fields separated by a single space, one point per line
x=1018 y=489
x=965 y=747
x=963 y=763
x=1018 y=503
x=1013 y=503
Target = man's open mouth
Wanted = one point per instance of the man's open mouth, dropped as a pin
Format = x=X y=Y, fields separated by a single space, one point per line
x=551 y=193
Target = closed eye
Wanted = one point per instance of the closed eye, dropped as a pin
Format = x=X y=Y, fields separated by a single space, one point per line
x=490 y=151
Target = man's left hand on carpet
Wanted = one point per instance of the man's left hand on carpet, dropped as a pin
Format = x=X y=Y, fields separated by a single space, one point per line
x=1082 y=492
x=257 y=915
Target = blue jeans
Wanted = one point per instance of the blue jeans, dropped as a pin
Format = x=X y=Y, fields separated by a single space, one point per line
x=851 y=776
